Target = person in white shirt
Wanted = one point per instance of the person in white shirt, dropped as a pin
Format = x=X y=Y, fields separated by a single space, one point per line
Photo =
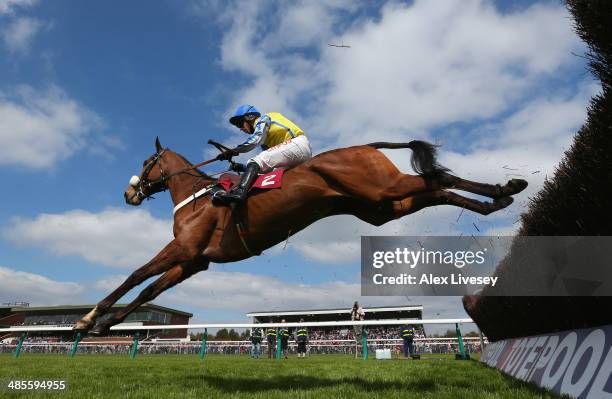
x=357 y=314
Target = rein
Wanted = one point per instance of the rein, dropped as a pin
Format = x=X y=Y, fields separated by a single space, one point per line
x=164 y=178
x=143 y=183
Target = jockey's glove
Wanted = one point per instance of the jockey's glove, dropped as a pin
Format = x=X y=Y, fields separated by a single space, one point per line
x=226 y=155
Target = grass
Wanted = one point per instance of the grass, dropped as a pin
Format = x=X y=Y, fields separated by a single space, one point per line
x=324 y=376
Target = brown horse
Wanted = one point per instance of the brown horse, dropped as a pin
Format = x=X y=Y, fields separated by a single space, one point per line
x=359 y=181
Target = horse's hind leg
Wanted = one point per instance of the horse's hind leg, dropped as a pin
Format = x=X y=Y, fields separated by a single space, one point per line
x=169 y=279
x=494 y=191
x=415 y=203
x=171 y=255
x=391 y=210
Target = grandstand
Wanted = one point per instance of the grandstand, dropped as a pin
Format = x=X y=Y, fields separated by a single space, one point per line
x=21 y=314
x=378 y=313
x=335 y=334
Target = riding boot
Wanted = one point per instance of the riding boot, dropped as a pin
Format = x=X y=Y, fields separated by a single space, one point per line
x=239 y=192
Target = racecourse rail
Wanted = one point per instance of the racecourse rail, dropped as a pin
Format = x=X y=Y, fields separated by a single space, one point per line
x=24 y=330
x=253 y=325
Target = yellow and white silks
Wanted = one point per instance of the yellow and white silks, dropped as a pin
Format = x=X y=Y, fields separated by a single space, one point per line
x=283 y=142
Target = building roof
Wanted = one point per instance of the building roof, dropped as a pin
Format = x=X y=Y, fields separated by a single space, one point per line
x=334 y=311
x=150 y=306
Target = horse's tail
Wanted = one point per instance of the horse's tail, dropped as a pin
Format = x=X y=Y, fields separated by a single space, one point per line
x=423 y=159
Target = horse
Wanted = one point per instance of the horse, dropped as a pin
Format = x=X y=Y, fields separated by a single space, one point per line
x=359 y=181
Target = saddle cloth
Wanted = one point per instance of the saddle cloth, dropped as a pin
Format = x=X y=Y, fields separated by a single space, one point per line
x=264 y=181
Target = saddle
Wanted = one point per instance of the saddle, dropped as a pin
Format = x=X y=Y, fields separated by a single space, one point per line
x=228 y=180
x=264 y=181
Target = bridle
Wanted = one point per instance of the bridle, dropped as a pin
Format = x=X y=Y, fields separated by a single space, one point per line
x=155 y=186
x=151 y=186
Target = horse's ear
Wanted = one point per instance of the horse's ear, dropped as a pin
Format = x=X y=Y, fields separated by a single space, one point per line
x=158 y=146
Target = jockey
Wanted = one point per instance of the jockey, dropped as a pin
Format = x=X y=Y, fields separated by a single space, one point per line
x=284 y=144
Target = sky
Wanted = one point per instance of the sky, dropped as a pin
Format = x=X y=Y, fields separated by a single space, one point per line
x=85 y=87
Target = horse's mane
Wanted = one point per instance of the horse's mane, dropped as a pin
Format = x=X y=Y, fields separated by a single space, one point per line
x=196 y=171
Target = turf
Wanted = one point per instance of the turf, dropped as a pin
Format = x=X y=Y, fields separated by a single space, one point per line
x=324 y=376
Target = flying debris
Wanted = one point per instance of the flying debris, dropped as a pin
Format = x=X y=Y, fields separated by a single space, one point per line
x=462 y=209
x=287 y=242
x=338 y=45
x=477 y=243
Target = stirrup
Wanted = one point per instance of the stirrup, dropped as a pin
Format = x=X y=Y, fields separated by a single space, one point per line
x=219 y=197
x=228 y=197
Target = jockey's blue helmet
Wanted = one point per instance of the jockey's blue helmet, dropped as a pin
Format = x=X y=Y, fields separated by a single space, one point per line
x=241 y=112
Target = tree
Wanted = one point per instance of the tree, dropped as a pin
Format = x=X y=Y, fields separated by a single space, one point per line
x=223 y=335
x=233 y=335
x=450 y=334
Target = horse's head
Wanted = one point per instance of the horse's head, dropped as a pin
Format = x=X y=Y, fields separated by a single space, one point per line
x=151 y=180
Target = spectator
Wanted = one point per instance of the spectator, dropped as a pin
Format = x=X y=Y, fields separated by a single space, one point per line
x=256 y=339
x=408 y=336
x=357 y=314
x=271 y=337
x=302 y=339
x=284 y=340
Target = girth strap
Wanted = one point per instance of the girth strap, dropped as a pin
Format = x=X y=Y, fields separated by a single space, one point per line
x=242 y=231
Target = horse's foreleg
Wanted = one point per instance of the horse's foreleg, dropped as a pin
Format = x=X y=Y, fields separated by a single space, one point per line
x=171 y=255
x=169 y=279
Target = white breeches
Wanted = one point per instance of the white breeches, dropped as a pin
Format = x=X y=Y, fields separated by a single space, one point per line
x=285 y=155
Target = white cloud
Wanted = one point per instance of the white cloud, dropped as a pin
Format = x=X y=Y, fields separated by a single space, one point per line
x=113 y=237
x=109 y=283
x=19 y=34
x=36 y=289
x=250 y=292
x=40 y=128
x=9 y=6
x=415 y=68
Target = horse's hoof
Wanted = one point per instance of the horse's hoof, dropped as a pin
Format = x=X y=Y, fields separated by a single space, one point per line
x=99 y=331
x=515 y=186
x=503 y=202
x=83 y=325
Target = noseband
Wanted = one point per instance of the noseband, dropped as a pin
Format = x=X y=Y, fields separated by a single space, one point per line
x=150 y=185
